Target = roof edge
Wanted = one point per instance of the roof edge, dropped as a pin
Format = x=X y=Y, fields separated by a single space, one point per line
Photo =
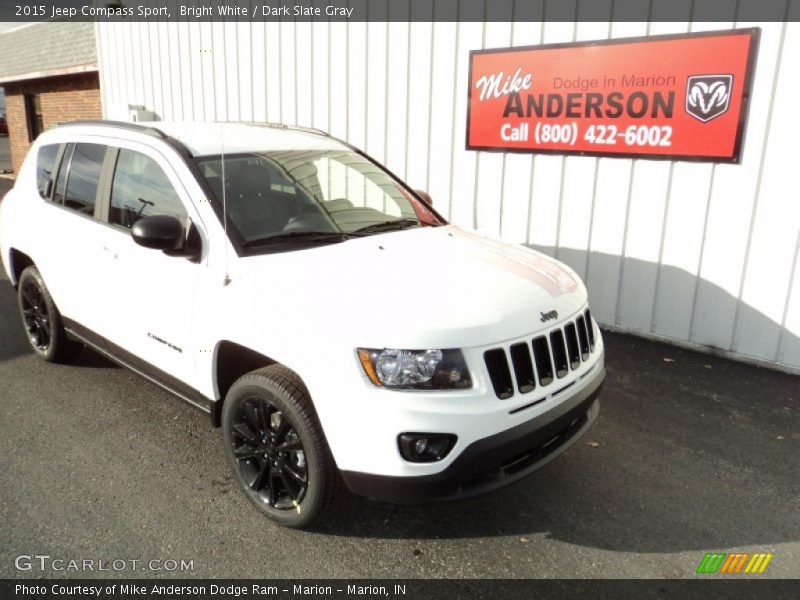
x=60 y=72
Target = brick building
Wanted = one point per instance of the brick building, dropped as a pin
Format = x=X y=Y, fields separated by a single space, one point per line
x=49 y=72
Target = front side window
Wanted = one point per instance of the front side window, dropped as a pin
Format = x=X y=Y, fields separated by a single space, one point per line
x=84 y=177
x=277 y=196
x=45 y=163
x=141 y=189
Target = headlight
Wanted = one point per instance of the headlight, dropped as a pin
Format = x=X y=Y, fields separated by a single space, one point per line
x=416 y=369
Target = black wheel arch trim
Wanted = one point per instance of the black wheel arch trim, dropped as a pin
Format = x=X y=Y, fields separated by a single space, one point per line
x=18 y=261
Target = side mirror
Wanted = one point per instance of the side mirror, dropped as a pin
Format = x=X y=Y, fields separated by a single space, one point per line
x=159 y=232
x=426 y=197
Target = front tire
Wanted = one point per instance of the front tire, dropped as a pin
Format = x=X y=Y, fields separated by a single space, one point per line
x=276 y=448
x=41 y=319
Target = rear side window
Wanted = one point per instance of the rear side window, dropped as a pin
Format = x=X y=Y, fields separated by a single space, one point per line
x=45 y=163
x=84 y=177
x=141 y=189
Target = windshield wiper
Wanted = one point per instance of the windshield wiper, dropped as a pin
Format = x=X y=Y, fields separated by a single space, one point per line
x=395 y=225
x=297 y=236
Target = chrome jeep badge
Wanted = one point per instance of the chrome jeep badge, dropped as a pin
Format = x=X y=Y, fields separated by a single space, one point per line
x=548 y=316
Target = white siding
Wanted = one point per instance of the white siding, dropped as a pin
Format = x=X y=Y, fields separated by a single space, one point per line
x=694 y=253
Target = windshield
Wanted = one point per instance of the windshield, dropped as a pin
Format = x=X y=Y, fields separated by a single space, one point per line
x=279 y=195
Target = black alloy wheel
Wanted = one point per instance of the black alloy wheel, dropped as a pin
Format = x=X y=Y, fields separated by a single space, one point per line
x=35 y=315
x=276 y=448
x=41 y=319
x=270 y=454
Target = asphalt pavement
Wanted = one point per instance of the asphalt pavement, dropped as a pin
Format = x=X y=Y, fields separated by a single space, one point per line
x=688 y=455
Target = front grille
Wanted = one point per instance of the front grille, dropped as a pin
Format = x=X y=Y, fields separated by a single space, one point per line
x=541 y=356
x=554 y=355
x=572 y=346
x=590 y=329
x=559 y=353
x=585 y=346
x=523 y=368
x=501 y=377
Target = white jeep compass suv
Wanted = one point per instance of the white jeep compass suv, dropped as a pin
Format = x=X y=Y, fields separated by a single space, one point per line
x=318 y=309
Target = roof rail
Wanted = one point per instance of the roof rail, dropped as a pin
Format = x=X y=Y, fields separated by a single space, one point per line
x=148 y=129
x=154 y=130
x=177 y=145
x=313 y=130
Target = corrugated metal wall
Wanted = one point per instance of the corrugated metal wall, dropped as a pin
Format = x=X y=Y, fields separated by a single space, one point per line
x=696 y=253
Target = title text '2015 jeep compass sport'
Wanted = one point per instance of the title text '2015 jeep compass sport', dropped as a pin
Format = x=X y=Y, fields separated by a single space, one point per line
x=318 y=309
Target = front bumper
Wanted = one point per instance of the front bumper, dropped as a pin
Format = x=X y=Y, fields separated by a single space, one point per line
x=495 y=461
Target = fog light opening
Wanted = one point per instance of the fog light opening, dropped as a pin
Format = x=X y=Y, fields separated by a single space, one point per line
x=425 y=447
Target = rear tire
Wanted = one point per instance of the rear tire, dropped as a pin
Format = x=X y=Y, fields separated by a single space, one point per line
x=41 y=319
x=275 y=446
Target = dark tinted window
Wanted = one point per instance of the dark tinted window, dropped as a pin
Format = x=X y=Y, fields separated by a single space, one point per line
x=45 y=163
x=309 y=190
x=61 y=178
x=84 y=177
x=141 y=189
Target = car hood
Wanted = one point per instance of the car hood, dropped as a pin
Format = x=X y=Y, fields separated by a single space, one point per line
x=432 y=287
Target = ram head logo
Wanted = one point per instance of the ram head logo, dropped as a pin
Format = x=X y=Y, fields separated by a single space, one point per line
x=708 y=96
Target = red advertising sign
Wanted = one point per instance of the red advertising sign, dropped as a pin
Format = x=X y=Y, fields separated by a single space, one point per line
x=672 y=97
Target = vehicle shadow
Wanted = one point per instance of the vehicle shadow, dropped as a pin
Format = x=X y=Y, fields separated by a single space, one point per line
x=13 y=342
x=91 y=359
